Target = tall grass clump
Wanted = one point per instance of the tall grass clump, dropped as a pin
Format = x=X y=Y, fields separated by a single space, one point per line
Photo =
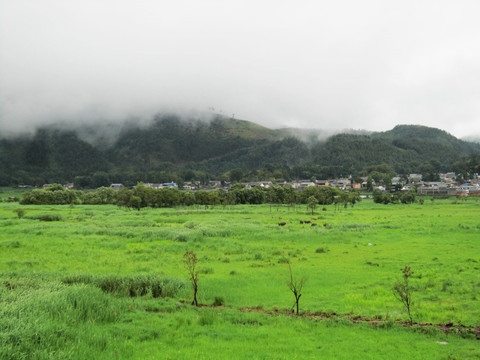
x=46 y=323
x=45 y=217
x=131 y=286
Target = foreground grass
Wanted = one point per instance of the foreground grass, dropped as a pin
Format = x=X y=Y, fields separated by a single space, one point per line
x=49 y=320
x=350 y=263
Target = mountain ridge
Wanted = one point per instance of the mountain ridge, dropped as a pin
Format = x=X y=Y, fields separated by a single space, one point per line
x=176 y=148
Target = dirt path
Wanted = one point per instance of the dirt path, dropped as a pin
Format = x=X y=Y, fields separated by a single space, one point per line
x=448 y=328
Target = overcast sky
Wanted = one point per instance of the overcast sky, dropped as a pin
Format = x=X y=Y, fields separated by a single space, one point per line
x=313 y=64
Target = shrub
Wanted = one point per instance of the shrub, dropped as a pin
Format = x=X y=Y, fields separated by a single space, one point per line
x=190 y=225
x=207 y=318
x=20 y=212
x=218 y=301
x=181 y=238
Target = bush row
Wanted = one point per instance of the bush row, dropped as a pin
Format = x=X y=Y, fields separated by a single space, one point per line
x=142 y=196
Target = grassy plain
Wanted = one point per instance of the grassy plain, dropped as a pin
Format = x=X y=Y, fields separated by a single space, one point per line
x=350 y=264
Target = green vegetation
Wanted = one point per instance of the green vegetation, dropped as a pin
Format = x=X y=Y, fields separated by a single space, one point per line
x=179 y=150
x=312 y=203
x=142 y=196
x=380 y=197
x=106 y=282
x=20 y=212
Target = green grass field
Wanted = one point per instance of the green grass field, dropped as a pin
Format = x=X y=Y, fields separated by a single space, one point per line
x=52 y=274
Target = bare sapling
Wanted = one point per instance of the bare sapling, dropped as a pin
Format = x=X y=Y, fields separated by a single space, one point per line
x=403 y=291
x=295 y=285
x=190 y=260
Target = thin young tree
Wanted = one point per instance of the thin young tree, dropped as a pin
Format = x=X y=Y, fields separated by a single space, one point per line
x=312 y=203
x=190 y=260
x=295 y=285
x=403 y=291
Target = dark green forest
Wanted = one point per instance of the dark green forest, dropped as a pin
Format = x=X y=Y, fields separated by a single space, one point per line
x=175 y=149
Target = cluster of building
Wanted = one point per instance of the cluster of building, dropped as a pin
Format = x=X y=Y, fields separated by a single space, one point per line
x=448 y=185
x=171 y=185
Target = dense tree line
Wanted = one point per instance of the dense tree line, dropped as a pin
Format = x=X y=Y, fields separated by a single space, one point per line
x=53 y=195
x=141 y=196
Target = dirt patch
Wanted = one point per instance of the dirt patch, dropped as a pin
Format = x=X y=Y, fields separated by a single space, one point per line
x=448 y=328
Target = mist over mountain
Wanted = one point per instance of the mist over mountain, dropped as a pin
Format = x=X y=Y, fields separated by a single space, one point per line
x=472 y=138
x=173 y=147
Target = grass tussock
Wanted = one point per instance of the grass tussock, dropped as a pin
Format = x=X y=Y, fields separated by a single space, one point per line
x=131 y=286
x=45 y=323
x=45 y=217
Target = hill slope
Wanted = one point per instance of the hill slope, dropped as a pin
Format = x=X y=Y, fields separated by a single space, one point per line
x=171 y=148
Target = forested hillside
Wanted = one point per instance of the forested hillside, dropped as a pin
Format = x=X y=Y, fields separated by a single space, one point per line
x=171 y=148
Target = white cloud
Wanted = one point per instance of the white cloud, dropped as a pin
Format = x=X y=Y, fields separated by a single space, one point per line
x=323 y=64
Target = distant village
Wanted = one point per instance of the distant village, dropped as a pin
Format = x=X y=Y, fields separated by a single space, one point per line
x=448 y=185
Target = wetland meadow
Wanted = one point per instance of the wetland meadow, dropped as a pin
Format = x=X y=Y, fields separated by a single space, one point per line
x=103 y=282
